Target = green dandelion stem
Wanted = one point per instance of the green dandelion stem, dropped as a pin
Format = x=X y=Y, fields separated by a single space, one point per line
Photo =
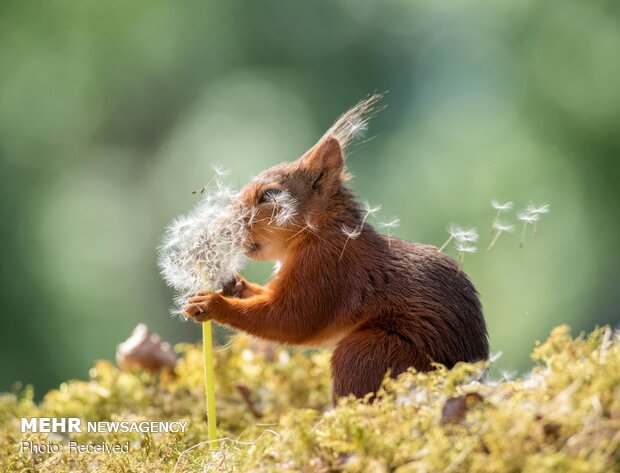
x=209 y=375
x=523 y=235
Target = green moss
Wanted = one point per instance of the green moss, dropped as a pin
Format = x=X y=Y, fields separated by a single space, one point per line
x=275 y=405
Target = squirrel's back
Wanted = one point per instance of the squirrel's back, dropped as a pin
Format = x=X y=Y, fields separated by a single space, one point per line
x=421 y=293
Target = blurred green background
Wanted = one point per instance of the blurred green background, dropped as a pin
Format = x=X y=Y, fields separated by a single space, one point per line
x=111 y=113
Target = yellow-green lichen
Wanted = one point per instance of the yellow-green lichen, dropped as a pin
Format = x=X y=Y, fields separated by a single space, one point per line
x=274 y=407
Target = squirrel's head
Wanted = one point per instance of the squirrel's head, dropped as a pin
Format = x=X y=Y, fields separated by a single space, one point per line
x=292 y=199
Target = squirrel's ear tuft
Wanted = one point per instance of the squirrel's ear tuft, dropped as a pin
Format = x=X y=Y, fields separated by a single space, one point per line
x=326 y=156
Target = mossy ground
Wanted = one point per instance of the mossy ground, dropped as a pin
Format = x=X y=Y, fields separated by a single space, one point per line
x=274 y=409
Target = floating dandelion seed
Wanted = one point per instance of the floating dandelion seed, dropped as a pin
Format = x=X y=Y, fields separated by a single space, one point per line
x=310 y=225
x=369 y=210
x=500 y=208
x=389 y=226
x=537 y=210
x=221 y=171
x=498 y=229
x=460 y=235
x=464 y=247
x=351 y=233
x=470 y=235
x=527 y=219
x=357 y=231
x=394 y=223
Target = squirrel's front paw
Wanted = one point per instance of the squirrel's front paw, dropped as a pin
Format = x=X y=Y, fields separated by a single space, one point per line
x=199 y=307
x=237 y=287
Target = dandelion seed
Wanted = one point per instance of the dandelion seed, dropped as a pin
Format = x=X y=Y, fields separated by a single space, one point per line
x=527 y=219
x=221 y=170
x=389 y=226
x=503 y=227
x=369 y=209
x=537 y=210
x=499 y=228
x=460 y=235
x=501 y=207
x=352 y=233
x=394 y=223
x=453 y=230
x=284 y=209
x=357 y=231
x=310 y=224
x=470 y=235
x=464 y=247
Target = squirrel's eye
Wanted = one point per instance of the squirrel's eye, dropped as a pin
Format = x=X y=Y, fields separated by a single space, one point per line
x=268 y=195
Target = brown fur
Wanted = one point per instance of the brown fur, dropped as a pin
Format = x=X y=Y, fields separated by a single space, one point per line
x=387 y=304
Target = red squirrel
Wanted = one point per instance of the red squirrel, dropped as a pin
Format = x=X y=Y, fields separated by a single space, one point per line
x=384 y=303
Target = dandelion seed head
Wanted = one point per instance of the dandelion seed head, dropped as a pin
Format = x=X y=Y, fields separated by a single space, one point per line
x=501 y=206
x=204 y=249
x=503 y=227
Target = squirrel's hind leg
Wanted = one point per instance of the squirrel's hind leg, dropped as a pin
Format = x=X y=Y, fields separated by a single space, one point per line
x=361 y=359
